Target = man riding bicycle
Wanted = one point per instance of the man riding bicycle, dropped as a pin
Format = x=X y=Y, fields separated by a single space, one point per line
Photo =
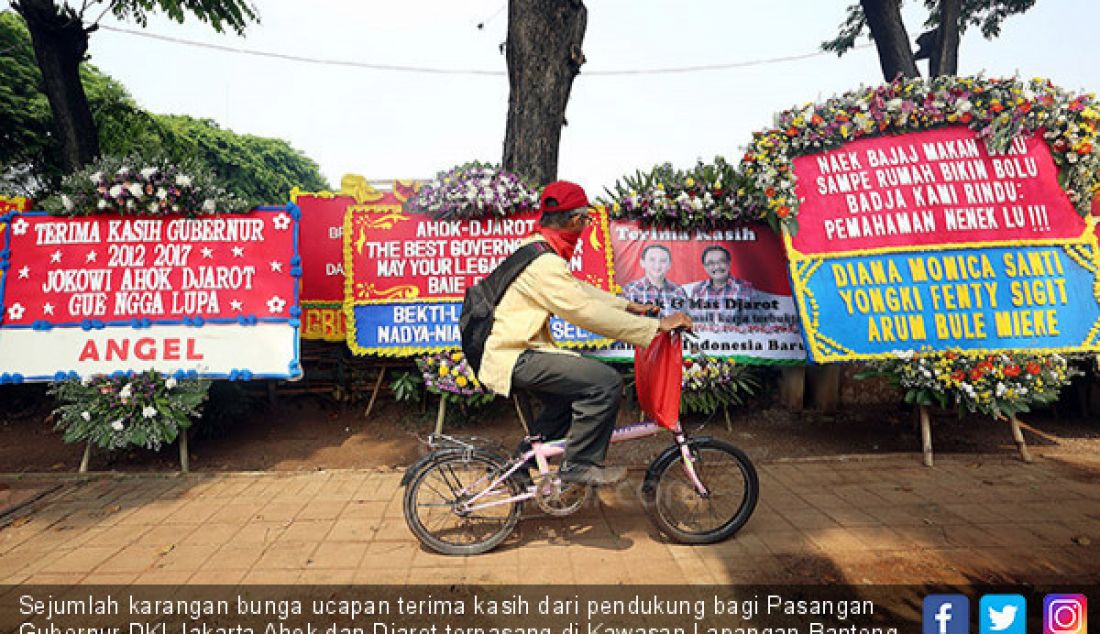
x=580 y=396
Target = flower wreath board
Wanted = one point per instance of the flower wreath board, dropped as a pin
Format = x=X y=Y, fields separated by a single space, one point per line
x=214 y=296
x=322 y=229
x=407 y=273
x=943 y=214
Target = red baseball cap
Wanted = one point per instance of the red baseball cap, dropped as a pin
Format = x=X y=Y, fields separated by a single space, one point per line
x=563 y=196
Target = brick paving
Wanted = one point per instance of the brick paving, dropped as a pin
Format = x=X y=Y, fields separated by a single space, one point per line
x=875 y=519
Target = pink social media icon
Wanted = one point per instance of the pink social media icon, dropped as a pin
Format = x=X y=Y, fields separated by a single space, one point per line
x=1065 y=614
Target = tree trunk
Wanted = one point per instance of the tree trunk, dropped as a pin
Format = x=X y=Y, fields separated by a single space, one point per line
x=895 y=54
x=945 y=56
x=544 y=55
x=60 y=43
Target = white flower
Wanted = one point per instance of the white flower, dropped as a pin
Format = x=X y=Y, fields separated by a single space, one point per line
x=117 y=425
x=1001 y=389
x=963 y=107
x=170 y=383
x=123 y=171
x=893 y=104
x=102 y=204
x=95 y=178
x=162 y=193
x=904 y=355
x=183 y=180
x=86 y=381
x=148 y=172
x=209 y=205
x=136 y=190
x=86 y=415
x=149 y=412
x=66 y=202
x=127 y=391
x=115 y=191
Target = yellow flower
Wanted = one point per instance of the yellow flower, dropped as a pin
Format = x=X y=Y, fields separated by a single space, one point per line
x=456 y=356
x=443 y=371
x=461 y=381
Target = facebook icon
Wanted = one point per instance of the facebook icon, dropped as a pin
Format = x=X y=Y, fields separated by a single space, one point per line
x=946 y=614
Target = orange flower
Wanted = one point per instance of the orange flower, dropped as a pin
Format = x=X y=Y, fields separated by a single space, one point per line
x=975 y=374
x=817 y=120
x=1012 y=370
x=1024 y=107
x=1033 y=368
x=958 y=375
x=996 y=106
x=783 y=211
x=792 y=131
x=951 y=355
x=966 y=117
x=770 y=192
x=1085 y=148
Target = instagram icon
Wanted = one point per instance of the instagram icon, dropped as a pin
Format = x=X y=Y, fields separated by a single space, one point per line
x=1065 y=614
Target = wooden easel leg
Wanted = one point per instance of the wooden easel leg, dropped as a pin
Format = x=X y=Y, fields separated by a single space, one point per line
x=522 y=418
x=87 y=457
x=926 y=436
x=185 y=456
x=374 y=393
x=1018 y=436
x=441 y=415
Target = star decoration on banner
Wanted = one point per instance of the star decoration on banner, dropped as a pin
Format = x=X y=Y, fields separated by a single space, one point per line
x=47 y=308
x=25 y=273
x=16 y=311
x=276 y=266
x=91 y=256
x=281 y=222
x=236 y=305
x=19 y=227
x=276 y=304
x=238 y=252
x=56 y=257
x=207 y=252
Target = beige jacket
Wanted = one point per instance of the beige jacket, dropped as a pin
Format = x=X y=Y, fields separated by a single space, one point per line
x=522 y=319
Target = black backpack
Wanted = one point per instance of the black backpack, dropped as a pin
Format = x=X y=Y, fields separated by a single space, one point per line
x=476 y=321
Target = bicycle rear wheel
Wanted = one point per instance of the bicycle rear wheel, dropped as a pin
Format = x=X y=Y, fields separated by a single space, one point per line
x=677 y=508
x=434 y=501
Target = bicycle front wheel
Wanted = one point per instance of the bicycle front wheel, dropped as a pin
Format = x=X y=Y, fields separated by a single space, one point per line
x=441 y=509
x=679 y=511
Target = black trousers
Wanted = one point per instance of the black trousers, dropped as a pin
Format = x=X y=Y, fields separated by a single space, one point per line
x=580 y=398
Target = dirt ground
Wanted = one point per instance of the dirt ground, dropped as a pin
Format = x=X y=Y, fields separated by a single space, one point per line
x=310 y=432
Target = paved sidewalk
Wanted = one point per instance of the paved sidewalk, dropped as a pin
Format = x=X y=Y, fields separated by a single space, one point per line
x=971 y=519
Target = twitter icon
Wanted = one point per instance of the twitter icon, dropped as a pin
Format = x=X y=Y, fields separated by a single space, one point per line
x=1002 y=614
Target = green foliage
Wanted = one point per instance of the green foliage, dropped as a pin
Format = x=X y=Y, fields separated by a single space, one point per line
x=145 y=410
x=250 y=167
x=406 y=387
x=220 y=14
x=985 y=14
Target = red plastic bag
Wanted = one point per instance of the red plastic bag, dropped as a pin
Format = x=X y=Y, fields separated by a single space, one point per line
x=658 y=373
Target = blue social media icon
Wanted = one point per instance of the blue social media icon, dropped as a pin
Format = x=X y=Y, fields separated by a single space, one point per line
x=1002 y=614
x=946 y=614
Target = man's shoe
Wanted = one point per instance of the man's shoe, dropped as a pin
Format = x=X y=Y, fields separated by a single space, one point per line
x=591 y=474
